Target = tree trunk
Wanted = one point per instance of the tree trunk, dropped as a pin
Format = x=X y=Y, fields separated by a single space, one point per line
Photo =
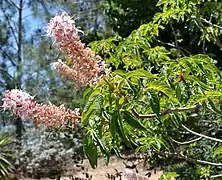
x=18 y=122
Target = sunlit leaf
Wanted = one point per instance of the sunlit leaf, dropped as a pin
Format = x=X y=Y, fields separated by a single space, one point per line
x=218 y=151
x=133 y=121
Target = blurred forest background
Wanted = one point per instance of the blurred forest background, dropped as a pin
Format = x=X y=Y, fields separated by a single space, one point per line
x=27 y=54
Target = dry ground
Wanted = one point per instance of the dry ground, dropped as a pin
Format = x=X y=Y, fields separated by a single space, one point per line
x=103 y=172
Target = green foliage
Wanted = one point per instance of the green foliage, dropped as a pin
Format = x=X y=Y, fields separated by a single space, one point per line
x=157 y=88
x=91 y=148
x=218 y=151
x=5 y=165
x=168 y=175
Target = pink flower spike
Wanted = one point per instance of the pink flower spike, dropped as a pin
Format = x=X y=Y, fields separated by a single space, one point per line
x=23 y=105
x=87 y=68
x=18 y=101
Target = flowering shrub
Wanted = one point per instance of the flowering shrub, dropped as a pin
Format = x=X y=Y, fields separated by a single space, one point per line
x=155 y=103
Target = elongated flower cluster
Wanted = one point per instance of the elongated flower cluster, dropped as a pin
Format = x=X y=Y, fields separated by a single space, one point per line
x=87 y=67
x=24 y=105
x=19 y=102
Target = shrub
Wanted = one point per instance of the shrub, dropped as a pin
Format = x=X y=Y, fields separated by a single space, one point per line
x=45 y=155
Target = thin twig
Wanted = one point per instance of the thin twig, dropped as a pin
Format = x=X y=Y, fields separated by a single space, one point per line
x=13 y=3
x=203 y=30
x=181 y=156
x=187 y=142
x=167 y=111
x=9 y=57
x=10 y=26
x=208 y=22
x=172 y=45
x=215 y=176
x=207 y=162
x=201 y=135
x=175 y=38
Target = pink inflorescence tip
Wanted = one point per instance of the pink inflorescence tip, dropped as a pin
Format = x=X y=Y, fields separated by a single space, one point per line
x=24 y=105
x=19 y=102
x=87 y=68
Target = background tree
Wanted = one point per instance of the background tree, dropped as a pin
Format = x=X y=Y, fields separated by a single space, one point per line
x=186 y=36
x=124 y=16
x=12 y=57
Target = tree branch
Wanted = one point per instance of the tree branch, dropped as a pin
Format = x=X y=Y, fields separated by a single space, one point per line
x=201 y=135
x=167 y=111
x=9 y=57
x=203 y=30
x=172 y=45
x=208 y=22
x=181 y=156
x=164 y=112
x=13 y=3
x=10 y=26
x=187 y=142
x=215 y=176
x=20 y=39
x=175 y=39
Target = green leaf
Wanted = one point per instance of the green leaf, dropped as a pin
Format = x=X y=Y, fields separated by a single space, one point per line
x=87 y=93
x=203 y=97
x=170 y=175
x=161 y=2
x=86 y=115
x=94 y=103
x=212 y=94
x=213 y=106
x=141 y=73
x=89 y=104
x=196 y=98
x=218 y=151
x=120 y=73
x=164 y=89
x=101 y=145
x=131 y=86
x=121 y=100
x=121 y=131
x=4 y=140
x=117 y=152
x=154 y=102
x=132 y=121
x=106 y=159
x=176 y=119
x=196 y=80
x=90 y=149
x=113 y=124
x=180 y=93
x=99 y=102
